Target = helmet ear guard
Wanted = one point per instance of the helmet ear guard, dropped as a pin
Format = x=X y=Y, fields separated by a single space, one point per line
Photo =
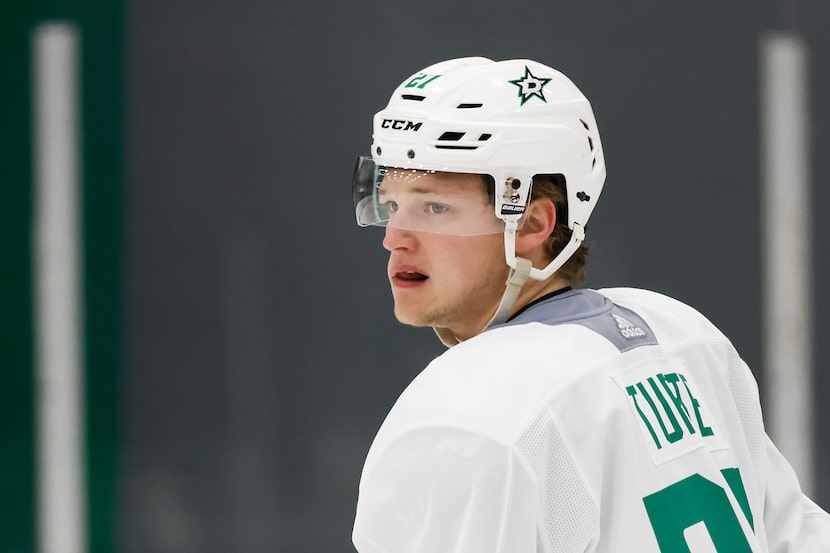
x=511 y=200
x=512 y=207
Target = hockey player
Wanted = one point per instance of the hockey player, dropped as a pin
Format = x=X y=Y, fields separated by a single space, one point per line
x=560 y=419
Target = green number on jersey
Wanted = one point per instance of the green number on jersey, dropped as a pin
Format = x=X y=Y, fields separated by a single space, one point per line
x=695 y=499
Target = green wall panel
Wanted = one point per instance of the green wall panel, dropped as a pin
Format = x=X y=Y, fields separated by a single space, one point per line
x=100 y=24
x=16 y=411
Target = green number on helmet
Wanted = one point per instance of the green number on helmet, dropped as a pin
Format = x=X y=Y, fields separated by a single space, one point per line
x=419 y=82
x=693 y=500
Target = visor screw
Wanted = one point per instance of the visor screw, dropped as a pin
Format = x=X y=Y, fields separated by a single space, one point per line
x=410 y=154
x=378 y=150
x=516 y=184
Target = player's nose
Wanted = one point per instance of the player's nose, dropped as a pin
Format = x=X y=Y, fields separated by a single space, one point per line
x=397 y=238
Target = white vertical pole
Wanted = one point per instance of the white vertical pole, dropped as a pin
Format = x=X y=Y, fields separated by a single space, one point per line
x=61 y=501
x=786 y=235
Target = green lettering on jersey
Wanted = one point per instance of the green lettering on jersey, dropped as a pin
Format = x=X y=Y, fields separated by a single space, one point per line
x=682 y=410
x=736 y=484
x=693 y=500
x=651 y=404
x=676 y=432
x=705 y=430
x=632 y=391
x=676 y=404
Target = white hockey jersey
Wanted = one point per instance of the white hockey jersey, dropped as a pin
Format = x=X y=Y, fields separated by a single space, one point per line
x=594 y=421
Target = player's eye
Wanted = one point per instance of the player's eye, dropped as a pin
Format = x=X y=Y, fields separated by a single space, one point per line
x=436 y=209
x=391 y=206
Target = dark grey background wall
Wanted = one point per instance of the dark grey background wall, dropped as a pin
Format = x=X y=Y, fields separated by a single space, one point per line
x=262 y=353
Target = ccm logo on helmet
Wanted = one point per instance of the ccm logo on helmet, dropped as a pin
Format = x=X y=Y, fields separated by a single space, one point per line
x=401 y=125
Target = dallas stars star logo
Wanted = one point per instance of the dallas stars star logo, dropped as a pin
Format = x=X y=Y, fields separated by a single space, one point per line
x=530 y=86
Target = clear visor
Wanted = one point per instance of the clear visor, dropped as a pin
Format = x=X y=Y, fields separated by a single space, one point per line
x=423 y=200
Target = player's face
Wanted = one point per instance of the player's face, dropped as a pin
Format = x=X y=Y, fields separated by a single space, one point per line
x=444 y=280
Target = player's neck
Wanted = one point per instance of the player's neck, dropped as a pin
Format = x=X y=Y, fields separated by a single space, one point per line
x=531 y=291
x=535 y=289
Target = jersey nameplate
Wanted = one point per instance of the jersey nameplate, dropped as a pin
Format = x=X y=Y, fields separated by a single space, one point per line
x=668 y=409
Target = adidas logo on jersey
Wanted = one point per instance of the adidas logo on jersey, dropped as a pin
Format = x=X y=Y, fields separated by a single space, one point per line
x=628 y=329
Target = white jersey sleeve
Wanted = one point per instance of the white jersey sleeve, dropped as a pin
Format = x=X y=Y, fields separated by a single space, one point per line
x=454 y=467
x=795 y=524
x=443 y=489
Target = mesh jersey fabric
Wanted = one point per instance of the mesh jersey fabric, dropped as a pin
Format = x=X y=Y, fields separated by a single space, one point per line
x=594 y=422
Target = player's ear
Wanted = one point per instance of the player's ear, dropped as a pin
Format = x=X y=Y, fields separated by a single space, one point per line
x=539 y=220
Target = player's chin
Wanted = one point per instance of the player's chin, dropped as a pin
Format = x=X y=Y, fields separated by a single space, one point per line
x=410 y=315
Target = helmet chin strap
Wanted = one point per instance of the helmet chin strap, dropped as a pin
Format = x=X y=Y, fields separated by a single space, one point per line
x=520 y=270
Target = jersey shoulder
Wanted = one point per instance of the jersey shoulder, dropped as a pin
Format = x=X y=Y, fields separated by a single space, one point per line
x=496 y=382
x=672 y=320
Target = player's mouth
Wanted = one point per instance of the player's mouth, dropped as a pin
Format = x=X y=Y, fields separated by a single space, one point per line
x=407 y=277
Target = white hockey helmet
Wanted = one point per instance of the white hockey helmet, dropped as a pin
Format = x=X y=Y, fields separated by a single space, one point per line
x=511 y=120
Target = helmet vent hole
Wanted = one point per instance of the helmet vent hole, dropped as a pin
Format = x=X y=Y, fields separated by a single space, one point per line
x=485 y=136
x=584 y=124
x=469 y=106
x=451 y=136
x=590 y=144
x=413 y=97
